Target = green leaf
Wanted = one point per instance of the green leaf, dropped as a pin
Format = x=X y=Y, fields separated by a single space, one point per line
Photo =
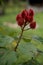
x=40 y=58
x=5 y=40
x=26 y=39
x=39 y=46
x=2 y=52
x=8 y=58
x=26 y=51
x=39 y=51
x=32 y=62
x=38 y=38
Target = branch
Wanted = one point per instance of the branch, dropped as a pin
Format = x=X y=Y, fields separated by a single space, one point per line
x=26 y=29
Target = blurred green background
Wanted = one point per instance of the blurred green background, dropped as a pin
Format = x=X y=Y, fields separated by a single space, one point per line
x=8 y=12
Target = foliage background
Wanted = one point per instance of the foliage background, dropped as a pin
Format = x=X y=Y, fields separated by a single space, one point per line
x=8 y=36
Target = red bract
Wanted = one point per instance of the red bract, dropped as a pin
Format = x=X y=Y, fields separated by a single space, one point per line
x=20 y=20
x=31 y=12
x=24 y=13
x=33 y=25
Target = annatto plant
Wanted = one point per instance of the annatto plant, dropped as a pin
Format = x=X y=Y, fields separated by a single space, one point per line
x=27 y=50
x=23 y=19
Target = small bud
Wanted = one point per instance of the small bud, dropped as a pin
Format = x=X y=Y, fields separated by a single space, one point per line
x=20 y=20
x=24 y=13
x=20 y=23
x=33 y=25
x=31 y=12
x=18 y=17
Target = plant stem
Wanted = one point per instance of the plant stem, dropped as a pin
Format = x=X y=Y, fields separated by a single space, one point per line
x=26 y=29
x=19 y=39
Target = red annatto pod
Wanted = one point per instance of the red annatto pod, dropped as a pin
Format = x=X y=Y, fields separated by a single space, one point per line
x=24 y=13
x=29 y=19
x=28 y=15
x=33 y=25
x=24 y=17
x=20 y=23
x=18 y=17
x=20 y=20
x=31 y=12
